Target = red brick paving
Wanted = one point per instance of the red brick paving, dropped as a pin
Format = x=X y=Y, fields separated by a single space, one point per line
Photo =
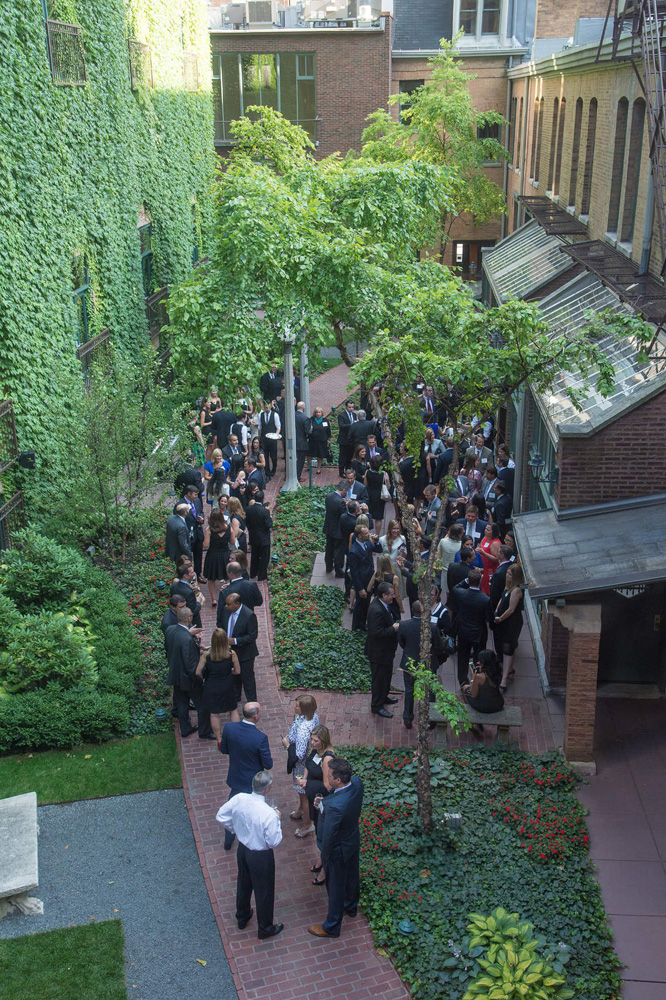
x=295 y=965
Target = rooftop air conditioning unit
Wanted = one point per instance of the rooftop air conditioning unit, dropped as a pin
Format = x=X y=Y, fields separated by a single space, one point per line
x=237 y=13
x=262 y=11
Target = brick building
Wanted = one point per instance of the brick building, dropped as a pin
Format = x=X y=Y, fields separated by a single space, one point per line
x=591 y=483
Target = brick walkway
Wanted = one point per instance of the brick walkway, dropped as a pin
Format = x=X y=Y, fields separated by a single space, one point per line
x=295 y=965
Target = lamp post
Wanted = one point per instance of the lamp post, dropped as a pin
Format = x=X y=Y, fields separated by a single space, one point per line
x=305 y=380
x=291 y=479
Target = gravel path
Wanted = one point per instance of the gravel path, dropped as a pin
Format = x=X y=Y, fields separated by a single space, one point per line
x=133 y=858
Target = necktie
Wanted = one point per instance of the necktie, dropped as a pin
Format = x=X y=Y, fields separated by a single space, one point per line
x=231 y=624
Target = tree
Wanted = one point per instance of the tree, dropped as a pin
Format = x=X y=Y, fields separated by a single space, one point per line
x=440 y=125
x=316 y=247
x=475 y=359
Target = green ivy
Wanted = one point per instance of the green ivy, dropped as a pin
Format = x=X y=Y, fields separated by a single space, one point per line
x=77 y=164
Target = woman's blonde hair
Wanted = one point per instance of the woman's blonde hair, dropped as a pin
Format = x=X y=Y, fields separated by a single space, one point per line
x=324 y=735
x=234 y=506
x=216 y=455
x=219 y=645
x=385 y=565
x=391 y=525
x=514 y=577
x=363 y=520
x=307 y=705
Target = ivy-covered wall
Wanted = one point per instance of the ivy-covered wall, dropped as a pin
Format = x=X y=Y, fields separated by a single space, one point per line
x=78 y=164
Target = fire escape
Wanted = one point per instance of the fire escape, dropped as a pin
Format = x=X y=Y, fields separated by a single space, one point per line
x=639 y=37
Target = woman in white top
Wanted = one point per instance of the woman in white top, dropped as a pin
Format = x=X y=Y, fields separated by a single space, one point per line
x=306 y=719
x=394 y=544
x=447 y=548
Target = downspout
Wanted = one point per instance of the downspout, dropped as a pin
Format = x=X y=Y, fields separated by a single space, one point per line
x=648 y=223
x=509 y=136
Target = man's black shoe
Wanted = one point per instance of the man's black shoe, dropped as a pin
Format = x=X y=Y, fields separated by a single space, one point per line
x=384 y=714
x=242 y=924
x=275 y=929
x=207 y=736
x=407 y=723
x=351 y=913
x=391 y=701
x=191 y=730
x=339 y=576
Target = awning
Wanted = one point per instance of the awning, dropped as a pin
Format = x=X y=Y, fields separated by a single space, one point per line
x=592 y=551
x=635 y=381
x=524 y=262
x=644 y=293
x=553 y=218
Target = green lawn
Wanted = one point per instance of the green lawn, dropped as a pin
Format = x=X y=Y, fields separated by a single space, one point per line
x=75 y=963
x=138 y=764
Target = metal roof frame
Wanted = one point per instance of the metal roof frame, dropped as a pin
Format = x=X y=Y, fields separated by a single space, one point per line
x=555 y=220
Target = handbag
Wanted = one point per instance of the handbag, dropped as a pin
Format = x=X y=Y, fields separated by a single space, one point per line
x=385 y=492
x=292 y=758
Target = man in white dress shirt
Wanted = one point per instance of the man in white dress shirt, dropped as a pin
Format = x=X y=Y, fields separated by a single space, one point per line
x=257 y=826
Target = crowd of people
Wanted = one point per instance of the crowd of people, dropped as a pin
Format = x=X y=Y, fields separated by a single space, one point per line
x=221 y=516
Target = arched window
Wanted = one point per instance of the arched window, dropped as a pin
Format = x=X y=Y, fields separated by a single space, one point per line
x=553 y=145
x=519 y=131
x=575 y=151
x=538 y=142
x=589 y=157
x=618 y=164
x=634 y=170
x=560 y=141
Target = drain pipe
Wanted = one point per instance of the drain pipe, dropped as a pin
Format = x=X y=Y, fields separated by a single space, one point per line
x=509 y=136
x=648 y=223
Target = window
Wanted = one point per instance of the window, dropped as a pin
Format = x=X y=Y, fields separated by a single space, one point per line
x=81 y=297
x=479 y=17
x=560 y=141
x=146 y=238
x=141 y=65
x=490 y=131
x=407 y=87
x=519 y=133
x=575 y=152
x=589 y=157
x=618 y=164
x=536 y=140
x=553 y=145
x=512 y=125
x=284 y=81
x=66 y=53
x=634 y=171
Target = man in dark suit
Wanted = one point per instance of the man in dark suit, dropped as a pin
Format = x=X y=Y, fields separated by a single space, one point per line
x=355 y=490
x=270 y=383
x=409 y=638
x=177 y=540
x=504 y=473
x=428 y=405
x=302 y=425
x=195 y=524
x=188 y=476
x=269 y=423
x=221 y=426
x=184 y=587
x=442 y=464
x=373 y=450
x=502 y=506
x=334 y=508
x=360 y=430
x=248 y=752
x=473 y=525
x=346 y=420
x=233 y=453
x=170 y=616
x=339 y=842
x=458 y=571
x=259 y=523
x=183 y=655
x=380 y=646
x=480 y=451
x=242 y=630
x=253 y=477
x=471 y=623
x=498 y=579
x=361 y=569
x=248 y=591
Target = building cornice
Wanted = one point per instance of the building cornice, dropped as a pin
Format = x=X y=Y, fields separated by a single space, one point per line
x=465 y=53
x=579 y=57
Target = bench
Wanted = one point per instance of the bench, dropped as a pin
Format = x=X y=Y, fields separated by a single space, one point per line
x=510 y=717
x=18 y=854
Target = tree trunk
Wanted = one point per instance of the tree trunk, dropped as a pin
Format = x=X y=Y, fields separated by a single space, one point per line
x=342 y=347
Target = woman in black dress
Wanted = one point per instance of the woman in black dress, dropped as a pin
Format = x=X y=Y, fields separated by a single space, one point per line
x=206 y=424
x=509 y=622
x=217 y=666
x=374 y=480
x=484 y=693
x=316 y=765
x=217 y=539
x=238 y=533
x=319 y=435
x=359 y=463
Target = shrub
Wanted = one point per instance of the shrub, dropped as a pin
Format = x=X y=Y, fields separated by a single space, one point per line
x=47 y=649
x=38 y=573
x=41 y=720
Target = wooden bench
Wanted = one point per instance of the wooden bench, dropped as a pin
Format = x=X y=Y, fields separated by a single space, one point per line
x=510 y=717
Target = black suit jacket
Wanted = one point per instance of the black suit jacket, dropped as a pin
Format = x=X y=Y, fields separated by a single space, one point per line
x=248 y=751
x=302 y=424
x=497 y=585
x=183 y=657
x=347 y=525
x=359 y=492
x=196 y=528
x=221 y=426
x=409 y=639
x=507 y=476
x=177 y=540
x=334 y=507
x=345 y=425
x=456 y=573
x=501 y=509
x=168 y=619
x=337 y=829
x=245 y=632
x=472 y=606
x=361 y=564
x=360 y=430
x=259 y=523
x=249 y=592
x=189 y=596
x=382 y=639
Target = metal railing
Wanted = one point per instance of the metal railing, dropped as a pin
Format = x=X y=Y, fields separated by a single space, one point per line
x=66 y=54
x=141 y=65
x=8 y=442
x=12 y=518
x=190 y=71
x=85 y=349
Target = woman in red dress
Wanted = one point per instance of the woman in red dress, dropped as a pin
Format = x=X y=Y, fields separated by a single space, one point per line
x=489 y=551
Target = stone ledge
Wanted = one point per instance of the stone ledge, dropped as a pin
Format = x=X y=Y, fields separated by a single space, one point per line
x=18 y=844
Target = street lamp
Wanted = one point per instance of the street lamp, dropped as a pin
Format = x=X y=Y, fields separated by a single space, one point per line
x=291 y=479
x=537 y=464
